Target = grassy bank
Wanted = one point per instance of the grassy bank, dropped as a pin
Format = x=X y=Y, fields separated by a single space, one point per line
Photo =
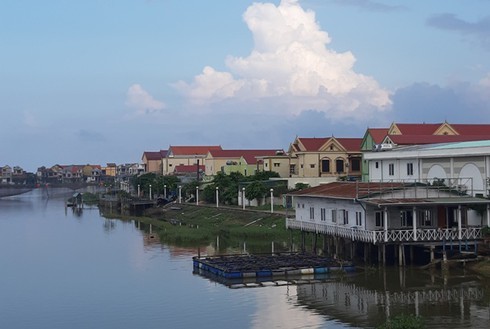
x=191 y=225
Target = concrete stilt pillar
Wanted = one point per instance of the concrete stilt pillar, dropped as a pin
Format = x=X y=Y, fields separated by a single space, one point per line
x=412 y=254
x=384 y=254
x=400 y=255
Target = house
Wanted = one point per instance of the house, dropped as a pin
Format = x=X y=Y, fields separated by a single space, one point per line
x=153 y=161
x=246 y=162
x=188 y=173
x=110 y=170
x=321 y=160
x=372 y=137
x=403 y=134
x=463 y=165
x=279 y=163
x=6 y=174
x=185 y=155
x=390 y=217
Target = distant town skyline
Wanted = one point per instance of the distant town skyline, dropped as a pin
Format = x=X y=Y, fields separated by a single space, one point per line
x=103 y=81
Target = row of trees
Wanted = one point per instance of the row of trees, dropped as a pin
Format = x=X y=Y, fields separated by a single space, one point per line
x=256 y=186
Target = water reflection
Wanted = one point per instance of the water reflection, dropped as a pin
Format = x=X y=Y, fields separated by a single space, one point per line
x=368 y=299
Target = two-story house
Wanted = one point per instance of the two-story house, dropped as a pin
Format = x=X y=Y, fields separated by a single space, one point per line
x=327 y=159
x=153 y=161
x=403 y=134
x=246 y=162
x=185 y=155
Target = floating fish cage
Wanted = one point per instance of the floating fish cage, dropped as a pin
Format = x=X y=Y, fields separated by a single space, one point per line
x=268 y=266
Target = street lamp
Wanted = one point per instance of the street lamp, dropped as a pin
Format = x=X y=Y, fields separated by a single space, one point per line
x=139 y=190
x=243 y=197
x=150 y=191
x=180 y=194
x=217 y=196
x=197 y=195
x=272 y=200
x=165 y=191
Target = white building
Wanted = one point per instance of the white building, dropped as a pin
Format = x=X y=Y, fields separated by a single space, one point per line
x=464 y=165
x=390 y=214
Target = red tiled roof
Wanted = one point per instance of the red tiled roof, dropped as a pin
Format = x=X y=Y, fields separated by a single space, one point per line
x=434 y=139
x=187 y=168
x=378 y=134
x=312 y=144
x=248 y=155
x=472 y=129
x=192 y=150
x=351 y=144
x=418 y=128
x=346 y=190
x=152 y=155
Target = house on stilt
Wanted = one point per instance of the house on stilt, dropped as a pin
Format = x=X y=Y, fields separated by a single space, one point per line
x=386 y=221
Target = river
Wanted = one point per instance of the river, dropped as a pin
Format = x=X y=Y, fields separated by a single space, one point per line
x=60 y=269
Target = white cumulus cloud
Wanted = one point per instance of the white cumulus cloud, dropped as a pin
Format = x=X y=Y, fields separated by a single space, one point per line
x=291 y=65
x=142 y=102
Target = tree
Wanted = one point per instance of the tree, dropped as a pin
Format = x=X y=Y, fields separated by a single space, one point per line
x=255 y=190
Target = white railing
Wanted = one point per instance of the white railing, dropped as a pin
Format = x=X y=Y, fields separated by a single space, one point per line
x=357 y=234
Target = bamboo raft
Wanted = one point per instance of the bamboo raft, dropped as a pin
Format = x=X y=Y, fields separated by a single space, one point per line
x=268 y=266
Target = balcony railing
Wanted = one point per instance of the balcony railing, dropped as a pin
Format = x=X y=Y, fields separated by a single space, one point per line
x=358 y=234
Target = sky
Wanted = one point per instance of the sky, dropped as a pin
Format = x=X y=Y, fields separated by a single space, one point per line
x=99 y=81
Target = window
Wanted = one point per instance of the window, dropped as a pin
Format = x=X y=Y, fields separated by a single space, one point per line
x=334 y=216
x=292 y=169
x=323 y=215
x=345 y=215
x=312 y=165
x=378 y=218
x=312 y=213
x=355 y=164
x=325 y=165
x=376 y=164
x=391 y=169
x=358 y=218
x=339 y=166
x=410 y=169
x=406 y=218
x=424 y=217
x=277 y=164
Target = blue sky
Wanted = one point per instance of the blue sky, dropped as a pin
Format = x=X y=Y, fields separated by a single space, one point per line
x=102 y=81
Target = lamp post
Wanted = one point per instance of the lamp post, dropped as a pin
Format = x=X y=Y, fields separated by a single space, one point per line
x=272 y=200
x=217 y=196
x=150 y=191
x=139 y=192
x=243 y=197
x=165 y=191
x=180 y=194
x=197 y=195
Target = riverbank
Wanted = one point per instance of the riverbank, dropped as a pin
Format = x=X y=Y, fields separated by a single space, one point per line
x=191 y=225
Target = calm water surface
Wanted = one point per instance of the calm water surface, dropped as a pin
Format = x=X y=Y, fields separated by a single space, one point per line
x=62 y=270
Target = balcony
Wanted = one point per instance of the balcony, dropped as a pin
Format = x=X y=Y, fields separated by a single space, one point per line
x=389 y=236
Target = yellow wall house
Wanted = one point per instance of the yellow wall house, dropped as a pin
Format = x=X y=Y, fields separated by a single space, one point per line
x=246 y=162
x=328 y=157
x=153 y=161
x=186 y=156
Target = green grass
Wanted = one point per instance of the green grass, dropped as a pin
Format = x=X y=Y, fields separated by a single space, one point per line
x=191 y=226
